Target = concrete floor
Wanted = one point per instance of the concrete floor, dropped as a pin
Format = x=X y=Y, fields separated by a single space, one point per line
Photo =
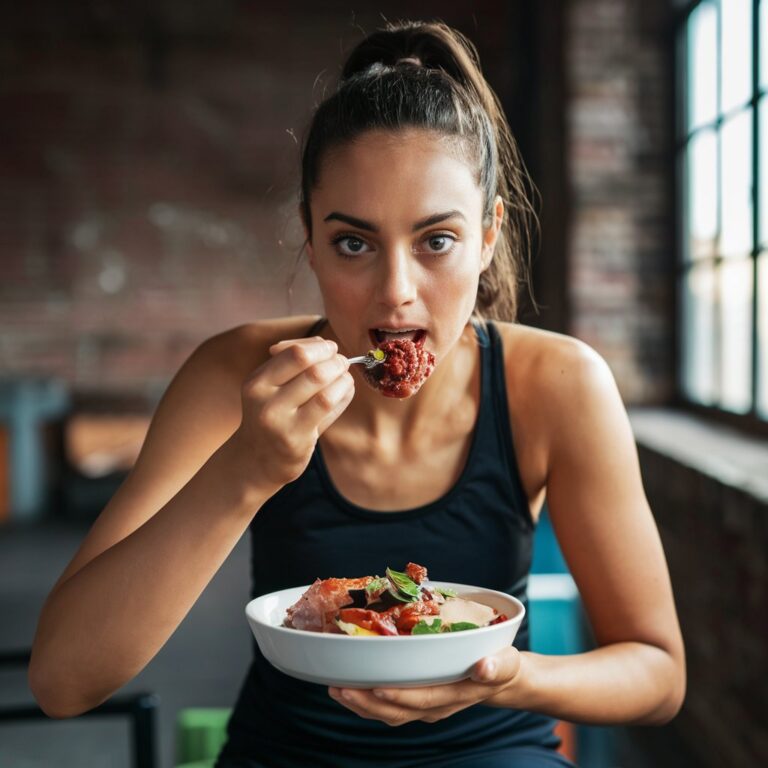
x=201 y=665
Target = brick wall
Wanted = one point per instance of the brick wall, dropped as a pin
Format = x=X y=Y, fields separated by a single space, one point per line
x=715 y=537
x=150 y=157
x=146 y=201
x=620 y=250
x=149 y=175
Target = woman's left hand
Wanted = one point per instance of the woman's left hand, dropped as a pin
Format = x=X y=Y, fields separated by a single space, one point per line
x=397 y=706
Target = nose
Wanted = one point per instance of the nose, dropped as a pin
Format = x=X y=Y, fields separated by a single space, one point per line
x=396 y=278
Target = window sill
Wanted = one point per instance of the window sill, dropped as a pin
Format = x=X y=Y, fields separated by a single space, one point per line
x=721 y=453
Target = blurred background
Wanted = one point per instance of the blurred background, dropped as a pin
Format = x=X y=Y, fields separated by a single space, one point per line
x=149 y=157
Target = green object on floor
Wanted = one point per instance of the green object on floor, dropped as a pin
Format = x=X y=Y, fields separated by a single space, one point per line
x=197 y=764
x=200 y=734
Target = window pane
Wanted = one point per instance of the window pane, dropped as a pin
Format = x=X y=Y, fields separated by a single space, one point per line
x=735 y=279
x=736 y=18
x=762 y=336
x=701 y=195
x=702 y=65
x=763 y=43
x=763 y=170
x=698 y=301
x=736 y=189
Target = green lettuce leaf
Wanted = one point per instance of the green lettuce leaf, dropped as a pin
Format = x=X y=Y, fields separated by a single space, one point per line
x=422 y=628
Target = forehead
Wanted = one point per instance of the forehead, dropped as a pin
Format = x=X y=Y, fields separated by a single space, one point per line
x=383 y=169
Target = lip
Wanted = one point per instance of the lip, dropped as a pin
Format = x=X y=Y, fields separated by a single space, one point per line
x=418 y=341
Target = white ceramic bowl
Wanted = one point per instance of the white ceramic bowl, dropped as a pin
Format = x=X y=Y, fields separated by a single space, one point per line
x=405 y=661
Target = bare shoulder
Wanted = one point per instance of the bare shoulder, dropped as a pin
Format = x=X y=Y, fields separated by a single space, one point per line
x=543 y=365
x=561 y=395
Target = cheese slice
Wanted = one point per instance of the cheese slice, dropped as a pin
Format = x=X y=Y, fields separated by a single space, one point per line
x=456 y=609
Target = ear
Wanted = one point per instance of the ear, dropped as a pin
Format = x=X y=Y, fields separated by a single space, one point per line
x=491 y=235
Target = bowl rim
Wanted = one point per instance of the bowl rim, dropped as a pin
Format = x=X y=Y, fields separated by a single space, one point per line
x=518 y=617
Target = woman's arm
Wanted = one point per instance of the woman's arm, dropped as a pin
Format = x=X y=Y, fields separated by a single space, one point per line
x=207 y=465
x=610 y=541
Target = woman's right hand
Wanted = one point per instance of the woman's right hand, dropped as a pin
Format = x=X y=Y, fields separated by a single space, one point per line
x=288 y=402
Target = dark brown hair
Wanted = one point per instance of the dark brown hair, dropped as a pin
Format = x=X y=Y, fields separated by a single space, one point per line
x=427 y=75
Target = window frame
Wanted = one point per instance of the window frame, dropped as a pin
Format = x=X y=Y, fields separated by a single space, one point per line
x=750 y=421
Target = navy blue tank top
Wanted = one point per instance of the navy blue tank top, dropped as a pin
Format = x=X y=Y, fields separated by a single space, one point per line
x=479 y=532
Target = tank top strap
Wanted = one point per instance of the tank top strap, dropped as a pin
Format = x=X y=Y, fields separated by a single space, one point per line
x=315 y=327
x=495 y=390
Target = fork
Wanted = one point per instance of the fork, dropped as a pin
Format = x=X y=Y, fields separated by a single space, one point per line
x=371 y=359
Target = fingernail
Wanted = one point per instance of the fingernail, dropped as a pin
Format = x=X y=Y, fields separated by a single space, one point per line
x=382 y=695
x=490 y=669
x=331 y=345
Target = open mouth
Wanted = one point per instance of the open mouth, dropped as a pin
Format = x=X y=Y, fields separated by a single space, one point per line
x=416 y=335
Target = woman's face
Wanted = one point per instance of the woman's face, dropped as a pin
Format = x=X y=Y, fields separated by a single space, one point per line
x=397 y=239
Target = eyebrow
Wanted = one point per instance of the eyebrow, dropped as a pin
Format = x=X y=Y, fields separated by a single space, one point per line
x=435 y=218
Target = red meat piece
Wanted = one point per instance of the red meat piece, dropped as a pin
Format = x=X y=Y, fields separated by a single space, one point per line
x=404 y=371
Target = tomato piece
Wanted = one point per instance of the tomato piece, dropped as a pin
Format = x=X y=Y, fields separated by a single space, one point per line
x=412 y=614
x=375 y=622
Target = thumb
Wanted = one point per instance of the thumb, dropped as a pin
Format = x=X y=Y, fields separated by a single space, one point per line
x=485 y=670
x=498 y=668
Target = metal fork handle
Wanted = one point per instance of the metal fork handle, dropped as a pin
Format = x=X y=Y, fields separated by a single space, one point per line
x=369 y=361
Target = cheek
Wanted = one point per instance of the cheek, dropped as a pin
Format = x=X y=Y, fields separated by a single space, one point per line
x=342 y=290
x=453 y=283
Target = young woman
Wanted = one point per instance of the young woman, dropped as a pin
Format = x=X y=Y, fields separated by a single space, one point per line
x=413 y=201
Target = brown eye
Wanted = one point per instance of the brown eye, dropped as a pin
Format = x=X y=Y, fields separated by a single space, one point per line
x=440 y=244
x=349 y=246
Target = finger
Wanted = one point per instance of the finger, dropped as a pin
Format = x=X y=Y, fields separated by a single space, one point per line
x=326 y=403
x=305 y=385
x=279 y=346
x=294 y=358
x=364 y=704
x=433 y=697
x=337 y=411
x=488 y=674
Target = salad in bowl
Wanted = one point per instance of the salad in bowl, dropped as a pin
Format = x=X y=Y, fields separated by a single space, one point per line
x=397 y=630
x=398 y=603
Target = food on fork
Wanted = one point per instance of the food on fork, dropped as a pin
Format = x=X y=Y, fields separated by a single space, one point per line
x=406 y=367
x=396 y=604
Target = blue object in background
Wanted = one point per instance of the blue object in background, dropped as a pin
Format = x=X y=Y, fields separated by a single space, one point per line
x=558 y=627
x=554 y=606
x=547 y=557
x=26 y=404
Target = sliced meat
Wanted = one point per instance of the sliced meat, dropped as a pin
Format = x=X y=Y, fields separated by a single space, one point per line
x=317 y=607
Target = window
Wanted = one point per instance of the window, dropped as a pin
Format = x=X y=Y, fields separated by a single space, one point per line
x=722 y=162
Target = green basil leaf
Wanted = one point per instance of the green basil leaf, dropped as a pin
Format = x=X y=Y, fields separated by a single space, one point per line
x=377 y=585
x=445 y=591
x=460 y=626
x=401 y=597
x=422 y=628
x=404 y=583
